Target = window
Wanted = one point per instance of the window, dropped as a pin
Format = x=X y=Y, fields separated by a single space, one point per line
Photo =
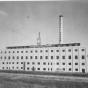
x=1 y=51
x=76 y=57
x=51 y=69
x=57 y=50
x=44 y=68
x=13 y=51
x=27 y=62
x=76 y=69
x=40 y=57
x=83 y=63
x=38 y=63
x=5 y=51
x=38 y=68
x=28 y=68
x=83 y=57
x=48 y=69
x=13 y=57
x=30 y=57
x=26 y=51
x=2 y=67
x=31 y=51
x=46 y=50
x=17 y=57
x=82 y=49
x=69 y=50
x=17 y=51
x=63 y=63
x=40 y=50
x=2 y=62
x=69 y=63
x=69 y=57
x=51 y=63
x=21 y=57
x=17 y=63
x=9 y=51
x=44 y=63
x=63 y=57
x=76 y=50
x=57 y=57
x=46 y=57
x=57 y=63
x=5 y=57
x=48 y=63
x=9 y=57
x=17 y=67
x=63 y=68
x=35 y=57
x=12 y=62
x=6 y=67
x=21 y=67
x=26 y=57
x=63 y=50
x=76 y=63
x=36 y=51
x=33 y=63
x=7 y=62
x=51 y=50
x=13 y=67
x=69 y=69
x=21 y=51
x=51 y=57
x=21 y=62
x=1 y=57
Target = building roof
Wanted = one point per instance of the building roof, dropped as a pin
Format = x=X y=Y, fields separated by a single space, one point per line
x=43 y=46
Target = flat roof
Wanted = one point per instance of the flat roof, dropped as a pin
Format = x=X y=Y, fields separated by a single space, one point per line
x=42 y=46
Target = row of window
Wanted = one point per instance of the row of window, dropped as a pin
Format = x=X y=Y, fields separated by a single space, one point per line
x=27 y=68
x=46 y=57
x=69 y=50
x=44 y=63
x=49 y=69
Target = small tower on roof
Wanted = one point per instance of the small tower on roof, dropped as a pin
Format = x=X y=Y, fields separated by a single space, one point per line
x=39 y=40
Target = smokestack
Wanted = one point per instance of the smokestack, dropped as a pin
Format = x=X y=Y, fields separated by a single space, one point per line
x=61 y=29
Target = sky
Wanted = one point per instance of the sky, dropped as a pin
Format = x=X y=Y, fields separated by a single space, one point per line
x=21 y=21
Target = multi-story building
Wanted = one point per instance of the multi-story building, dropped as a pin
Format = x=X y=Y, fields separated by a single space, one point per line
x=63 y=57
x=54 y=57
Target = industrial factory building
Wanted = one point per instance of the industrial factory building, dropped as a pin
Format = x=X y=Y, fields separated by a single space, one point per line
x=51 y=57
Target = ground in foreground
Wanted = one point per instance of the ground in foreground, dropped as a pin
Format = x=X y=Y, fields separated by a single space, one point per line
x=10 y=80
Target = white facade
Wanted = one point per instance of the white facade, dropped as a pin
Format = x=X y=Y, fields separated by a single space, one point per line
x=66 y=59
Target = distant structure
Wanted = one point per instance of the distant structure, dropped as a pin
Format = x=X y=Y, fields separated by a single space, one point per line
x=39 y=40
x=59 y=57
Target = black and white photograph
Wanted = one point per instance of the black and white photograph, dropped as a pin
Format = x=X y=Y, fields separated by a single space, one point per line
x=44 y=44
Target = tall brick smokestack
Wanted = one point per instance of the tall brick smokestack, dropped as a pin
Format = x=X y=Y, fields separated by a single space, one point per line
x=61 y=29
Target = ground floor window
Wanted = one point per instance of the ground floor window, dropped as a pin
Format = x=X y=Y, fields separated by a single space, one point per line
x=76 y=69
x=38 y=68
x=28 y=68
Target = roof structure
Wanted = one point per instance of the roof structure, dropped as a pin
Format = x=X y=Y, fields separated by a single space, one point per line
x=44 y=46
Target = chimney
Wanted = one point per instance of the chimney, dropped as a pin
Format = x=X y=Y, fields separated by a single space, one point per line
x=61 y=29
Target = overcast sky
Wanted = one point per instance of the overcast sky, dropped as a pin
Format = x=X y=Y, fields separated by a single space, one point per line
x=20 y=22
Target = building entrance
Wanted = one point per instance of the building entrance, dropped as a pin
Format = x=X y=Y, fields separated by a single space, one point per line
x=83 y=70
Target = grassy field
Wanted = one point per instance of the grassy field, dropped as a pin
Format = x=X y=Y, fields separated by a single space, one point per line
x=10 y=80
